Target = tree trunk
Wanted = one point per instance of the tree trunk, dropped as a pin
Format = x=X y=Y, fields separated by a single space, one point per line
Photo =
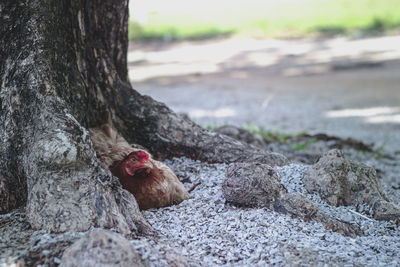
x=63 y=69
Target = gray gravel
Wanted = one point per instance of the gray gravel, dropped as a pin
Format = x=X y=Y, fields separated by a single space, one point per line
x=210 y=232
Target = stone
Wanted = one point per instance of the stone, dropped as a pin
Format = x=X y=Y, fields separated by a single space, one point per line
x=102 y=248
x=252 y=185
x=258 y=185
x=340 y=181
x=386 y=211
x=241 y=135
x=298 y=205
x=20 y=245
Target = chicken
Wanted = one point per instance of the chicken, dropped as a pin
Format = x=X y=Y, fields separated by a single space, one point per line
x=152 y=183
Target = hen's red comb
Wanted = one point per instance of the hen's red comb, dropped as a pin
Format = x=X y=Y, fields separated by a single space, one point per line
x=139 y=155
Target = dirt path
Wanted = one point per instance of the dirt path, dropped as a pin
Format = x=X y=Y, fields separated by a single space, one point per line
x=348 y=88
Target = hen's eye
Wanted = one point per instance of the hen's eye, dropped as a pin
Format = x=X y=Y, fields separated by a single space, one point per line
x=133 y=160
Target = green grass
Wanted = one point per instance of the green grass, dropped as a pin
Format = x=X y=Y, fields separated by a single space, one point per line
x=269 y=135
x=274 y=136
x=182 y=19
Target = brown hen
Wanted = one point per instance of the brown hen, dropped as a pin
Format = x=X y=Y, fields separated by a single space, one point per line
x=152 y=183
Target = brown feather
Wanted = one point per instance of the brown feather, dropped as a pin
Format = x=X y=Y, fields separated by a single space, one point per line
x=159 y=188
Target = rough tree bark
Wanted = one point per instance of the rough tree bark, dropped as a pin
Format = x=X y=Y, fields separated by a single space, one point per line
x=63 y=69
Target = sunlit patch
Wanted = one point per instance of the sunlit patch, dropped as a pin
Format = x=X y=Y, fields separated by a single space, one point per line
x=216 y=113
x=394 y=118
x=262 y=59
x=169 y=70
x=362 y=112
x=306 y=57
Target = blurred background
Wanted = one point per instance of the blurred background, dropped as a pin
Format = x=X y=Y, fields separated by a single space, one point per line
x=189 y=19
x=286 y=66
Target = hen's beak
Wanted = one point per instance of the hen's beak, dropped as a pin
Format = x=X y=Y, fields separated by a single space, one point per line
x=148 y=165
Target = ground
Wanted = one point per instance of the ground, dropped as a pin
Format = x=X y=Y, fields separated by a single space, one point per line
x=344 y=87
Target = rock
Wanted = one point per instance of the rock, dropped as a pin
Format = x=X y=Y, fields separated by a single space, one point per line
x=102 y=248
x=258 y=185
x=308 y=156
x=20 y=245
x=386 y=211
x=343 y=228
x=241 y=135
x=308 y=148
x=298 y=205
x=252 y=184
x=340 y=181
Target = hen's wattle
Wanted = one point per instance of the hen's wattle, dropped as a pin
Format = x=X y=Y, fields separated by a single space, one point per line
x=151 y=182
